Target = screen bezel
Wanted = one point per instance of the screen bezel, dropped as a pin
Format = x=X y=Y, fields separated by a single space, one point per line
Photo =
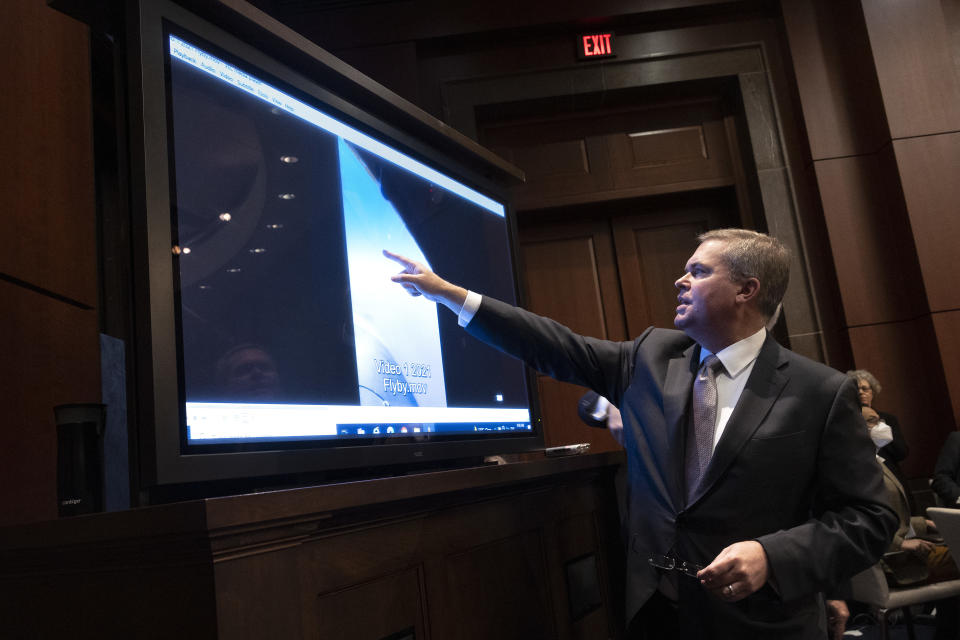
x=160 y=410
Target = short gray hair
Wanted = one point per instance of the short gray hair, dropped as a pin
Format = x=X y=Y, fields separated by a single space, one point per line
x=750 y=254
x=863 y=374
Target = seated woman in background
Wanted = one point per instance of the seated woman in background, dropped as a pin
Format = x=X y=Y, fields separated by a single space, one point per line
x=868 y=388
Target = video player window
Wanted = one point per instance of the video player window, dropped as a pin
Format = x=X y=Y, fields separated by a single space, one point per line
x=290 y=328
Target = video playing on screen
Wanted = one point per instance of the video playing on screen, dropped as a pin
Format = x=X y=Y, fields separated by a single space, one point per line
x=290 y=327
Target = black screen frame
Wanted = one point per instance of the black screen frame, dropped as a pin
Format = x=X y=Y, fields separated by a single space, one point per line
x=156 y=370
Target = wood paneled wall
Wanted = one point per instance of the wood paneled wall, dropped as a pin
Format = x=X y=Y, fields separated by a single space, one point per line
x=878 y=84
x=48 y=279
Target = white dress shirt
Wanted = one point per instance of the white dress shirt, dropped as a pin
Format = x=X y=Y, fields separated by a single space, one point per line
x=738 y=360
x=469 y=308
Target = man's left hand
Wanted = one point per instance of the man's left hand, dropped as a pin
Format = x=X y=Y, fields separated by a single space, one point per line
x=837 y=615
x=738 y=571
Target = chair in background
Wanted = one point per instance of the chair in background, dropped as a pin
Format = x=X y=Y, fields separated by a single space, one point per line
x=870 y=586
x=948 y=524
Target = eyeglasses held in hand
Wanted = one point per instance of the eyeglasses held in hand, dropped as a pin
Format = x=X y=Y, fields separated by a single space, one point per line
x=666 y=563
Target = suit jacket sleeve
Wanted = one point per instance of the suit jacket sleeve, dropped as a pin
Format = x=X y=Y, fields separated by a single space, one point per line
x=947 y=471
x=851 y=523
x=554 y=350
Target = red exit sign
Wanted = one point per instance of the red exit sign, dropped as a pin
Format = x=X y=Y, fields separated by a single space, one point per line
x=595 y=45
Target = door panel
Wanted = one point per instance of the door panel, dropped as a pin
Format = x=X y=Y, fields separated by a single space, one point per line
x=651 y=259
x=660 y=147
x=671 y=152
x=570 y=274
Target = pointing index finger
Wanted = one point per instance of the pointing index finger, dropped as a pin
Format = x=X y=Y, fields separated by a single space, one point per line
x=396 y=257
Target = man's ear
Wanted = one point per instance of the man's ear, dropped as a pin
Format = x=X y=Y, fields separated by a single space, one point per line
x=749 y=290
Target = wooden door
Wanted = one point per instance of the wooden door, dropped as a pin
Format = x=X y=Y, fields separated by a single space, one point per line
x=569 y=272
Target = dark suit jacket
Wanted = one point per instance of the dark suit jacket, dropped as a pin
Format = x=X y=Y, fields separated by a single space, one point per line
x=794 y=469
x=946 y=473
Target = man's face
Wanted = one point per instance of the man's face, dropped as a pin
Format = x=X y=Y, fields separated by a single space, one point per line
x=252 y=373
x=707 y=294
x=865 y=391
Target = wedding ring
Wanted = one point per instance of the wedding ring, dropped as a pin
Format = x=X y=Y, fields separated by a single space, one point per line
x=729 y=589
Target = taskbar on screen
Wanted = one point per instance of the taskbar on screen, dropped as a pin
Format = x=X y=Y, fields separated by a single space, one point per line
x=364 y=430
x=379 y=431
x=216 y=423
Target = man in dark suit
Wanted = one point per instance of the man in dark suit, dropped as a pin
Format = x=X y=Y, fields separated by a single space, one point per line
x=753 y=484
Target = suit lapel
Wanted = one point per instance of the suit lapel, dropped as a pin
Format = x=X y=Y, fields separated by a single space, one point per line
x=764 y=386
x=677 y=388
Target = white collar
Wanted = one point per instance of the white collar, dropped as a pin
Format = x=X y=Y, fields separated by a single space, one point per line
x=738 y=355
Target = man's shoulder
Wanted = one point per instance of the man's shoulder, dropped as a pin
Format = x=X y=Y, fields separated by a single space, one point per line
x=670 y=338
x=661 y=345
x=808 y=367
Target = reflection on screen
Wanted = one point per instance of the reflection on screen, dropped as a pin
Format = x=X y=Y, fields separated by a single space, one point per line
x=290 y=326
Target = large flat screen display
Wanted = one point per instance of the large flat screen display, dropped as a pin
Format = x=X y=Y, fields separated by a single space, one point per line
x=288 y=334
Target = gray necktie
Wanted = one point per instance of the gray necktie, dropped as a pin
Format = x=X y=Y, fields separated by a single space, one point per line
x=700 y=441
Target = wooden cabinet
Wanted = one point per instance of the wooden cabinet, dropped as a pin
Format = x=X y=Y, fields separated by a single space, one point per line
x=522 y=550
